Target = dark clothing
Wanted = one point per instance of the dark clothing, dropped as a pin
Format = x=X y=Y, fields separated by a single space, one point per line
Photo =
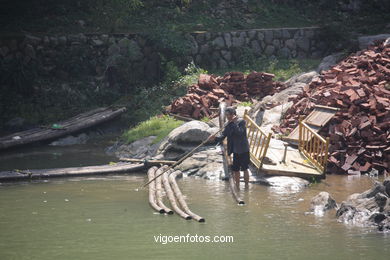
x=237 y=141
x=240 y=161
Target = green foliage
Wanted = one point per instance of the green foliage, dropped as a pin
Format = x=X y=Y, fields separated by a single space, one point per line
x=155 y=126
x=246 y=104
x=205 y=119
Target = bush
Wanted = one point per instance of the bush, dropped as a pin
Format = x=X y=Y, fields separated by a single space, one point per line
x=155 y=126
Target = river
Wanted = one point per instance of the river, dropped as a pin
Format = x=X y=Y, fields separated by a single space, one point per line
x=107 y=217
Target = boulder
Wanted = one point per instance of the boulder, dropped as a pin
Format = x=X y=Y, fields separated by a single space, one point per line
x=206 y=163
x=140 y=149
x=184 y=138
x=321 y=203
x=285 y=184
x=330 y=61
x=370 y=208
x=365 y=41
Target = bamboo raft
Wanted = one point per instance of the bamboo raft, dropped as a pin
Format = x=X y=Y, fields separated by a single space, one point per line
x=14 y=175
x=176 y=199
x=66 y=127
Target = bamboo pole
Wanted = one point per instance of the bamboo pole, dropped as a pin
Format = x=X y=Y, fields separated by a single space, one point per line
x=180 y=197
x=152 y=191
x=158 y=162
x=171 y=197
x=159 y=192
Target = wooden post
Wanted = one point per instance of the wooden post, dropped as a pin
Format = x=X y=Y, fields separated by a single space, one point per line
x=326 y=154
x=265 y=149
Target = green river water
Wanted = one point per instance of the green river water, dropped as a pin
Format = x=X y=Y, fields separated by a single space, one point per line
x=106 y=217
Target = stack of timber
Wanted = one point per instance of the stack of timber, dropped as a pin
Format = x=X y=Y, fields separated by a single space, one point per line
x=63 y=128
x=163 y=180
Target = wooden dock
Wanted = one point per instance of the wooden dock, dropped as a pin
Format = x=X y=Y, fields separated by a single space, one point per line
x=63 y=128
x=295 y=163
x=117 y=168
x=274 y=157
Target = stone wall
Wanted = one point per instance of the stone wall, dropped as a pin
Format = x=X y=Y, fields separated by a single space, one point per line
x=100 y=54
x=220 y=50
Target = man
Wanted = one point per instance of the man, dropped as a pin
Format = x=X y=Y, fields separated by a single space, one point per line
x=237 y=143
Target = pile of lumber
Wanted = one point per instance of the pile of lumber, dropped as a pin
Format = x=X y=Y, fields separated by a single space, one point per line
x=360 y=132
x=202 y=99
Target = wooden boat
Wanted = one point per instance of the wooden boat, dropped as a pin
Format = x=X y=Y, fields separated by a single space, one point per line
x=63 y=128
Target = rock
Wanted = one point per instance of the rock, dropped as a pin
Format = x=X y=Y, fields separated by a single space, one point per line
x=284 y=184
x=386 y=183
x=71 y=140
x=97 y=42
x=238 y=41
x=218 y=43
x=256 y=47
x=29 y=51
x=269 y=50
x=270 y=117
x=291 y=44
x=330 y=61
x=321 y=203
x=284 y=52
x=305 y=78
x=184 y=138
x=365 y=41
x=268 y=36
x=62 y=40
x=207 y=164
x=228 y=39
x=33 y=40
x=113 y=50
x=303 y=43
x=227 y=55
x=4 y=51
x=370 y=208
x=140 y=149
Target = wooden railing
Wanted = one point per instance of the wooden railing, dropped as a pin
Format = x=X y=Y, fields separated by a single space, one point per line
x=258 y=141
x=313 y=146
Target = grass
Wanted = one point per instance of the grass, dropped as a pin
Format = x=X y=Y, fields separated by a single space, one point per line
x=282 y=68
x=155 y=126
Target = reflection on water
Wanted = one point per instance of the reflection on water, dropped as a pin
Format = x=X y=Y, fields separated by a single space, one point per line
x=107 y=218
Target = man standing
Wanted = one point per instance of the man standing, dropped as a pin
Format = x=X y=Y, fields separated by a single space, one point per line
x=237 y=143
